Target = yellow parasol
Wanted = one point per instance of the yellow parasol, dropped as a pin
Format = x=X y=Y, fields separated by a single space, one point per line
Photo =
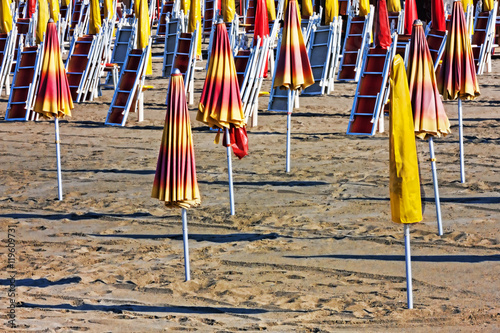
x=331 y=10
x=404 y=186
x=394 y=6
x=228 y=10
x=94 y=18
x=109 y=11
x=42 y=20
x=307 y=8
x=54 y=9
x=271 y=10
x=5 y=17
x=144 y=32
x=364 y=7
x=195 y=21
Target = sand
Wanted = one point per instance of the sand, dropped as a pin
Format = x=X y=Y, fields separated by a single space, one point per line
x=310 y=251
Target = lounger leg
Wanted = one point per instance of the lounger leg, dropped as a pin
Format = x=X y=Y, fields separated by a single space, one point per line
x=140 y=113
x=255 y=115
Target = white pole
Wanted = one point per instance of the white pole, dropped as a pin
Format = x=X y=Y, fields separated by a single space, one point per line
x=230 y=172
x=185 y=240
x=58 y=157
x=409 y=288
x=288 y=128
x=436 y=188
x=461 y=141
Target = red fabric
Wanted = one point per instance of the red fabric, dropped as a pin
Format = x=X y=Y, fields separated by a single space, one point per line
x=239 y=141
x=438 y=18
x=410 y=16
x=31 y=8
x=382 y=32
x=261 y=27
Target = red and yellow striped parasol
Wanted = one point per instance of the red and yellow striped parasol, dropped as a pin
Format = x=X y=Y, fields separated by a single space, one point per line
x=410 y=16
x=53 y=98
x=430 y=119
x=220 y=103
x=175 y=180
x=457 y=77
x=293 y=70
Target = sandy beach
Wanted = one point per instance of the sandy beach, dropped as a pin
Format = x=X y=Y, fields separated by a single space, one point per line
x=310 y=251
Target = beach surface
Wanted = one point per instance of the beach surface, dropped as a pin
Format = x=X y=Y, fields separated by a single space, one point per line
x=313 y=250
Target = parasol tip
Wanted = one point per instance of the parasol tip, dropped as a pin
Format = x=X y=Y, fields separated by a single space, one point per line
x=177 y=71
x=51 y=20
x=417 y=22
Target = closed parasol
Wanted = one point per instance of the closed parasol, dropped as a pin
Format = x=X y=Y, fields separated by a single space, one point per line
x=331 y=10
x=394 y=6
x=293 y=70
x=410 y=16
x=42 y=19
x=5 y=17
x=429 y=117
x=220 y=103
x=406 y=206
x=53 y=98
x=438 y=16
x=457 y=76
x=95 y=17
x=175 y=180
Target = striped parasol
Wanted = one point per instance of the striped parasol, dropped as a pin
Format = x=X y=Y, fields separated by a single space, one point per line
x=404 y=186
x=293 y=70
x=429 y=117
x=457 y=76
x=175 y=180
x=220 y=104
x=410 y=16
x=53 y=98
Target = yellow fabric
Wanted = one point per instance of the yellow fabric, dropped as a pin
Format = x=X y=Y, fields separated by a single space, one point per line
x=307 y=8
x=364 y=7
x=66 y=2
x=465 y=3
x=95 y=17
x=285 y=6
x=404 y=186
x=228 y=10
x=42 y=20
x=109 y=11
x=271 y=10
x=5 y=17
x=394 y=5
x=331 y=10
x=185 y=5
x=144 y=32
x=487 y=5
x=195 y=17
x=54 y=9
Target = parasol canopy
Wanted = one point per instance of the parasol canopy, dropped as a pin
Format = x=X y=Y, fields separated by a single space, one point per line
x=406 y=206
x=457 y=76
x=54 y=9
x=331 y=10
x=394 y=6
x=175 y=178
x=144 y=32
x=108 y=9
x=228 y=10
x=42 y=19
x=410 y=16
x=488 y=5
x=220 y=103
x=271 y=10
x=194 y=20
x=429 y=116
x=261 y=26
x=95 y=17
x=5 y=17
x=293 y=70
x=438 y=16
x=364 y=7
x=53 y=98
x=382 y=32
x=307 y=8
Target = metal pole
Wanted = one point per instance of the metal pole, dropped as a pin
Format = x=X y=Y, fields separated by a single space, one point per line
x=288 y=128
x=409 y=288
x=230 y=172
x=58 y=157
x=436 y=188
x=461 y=141
x=185 y=240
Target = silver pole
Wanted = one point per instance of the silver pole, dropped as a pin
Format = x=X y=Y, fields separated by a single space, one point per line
x=288 y=128
x=230 y=172
x=186 y=246
x=461 y=141
x=436 y=188
x=58 y=157
x=409 y=288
